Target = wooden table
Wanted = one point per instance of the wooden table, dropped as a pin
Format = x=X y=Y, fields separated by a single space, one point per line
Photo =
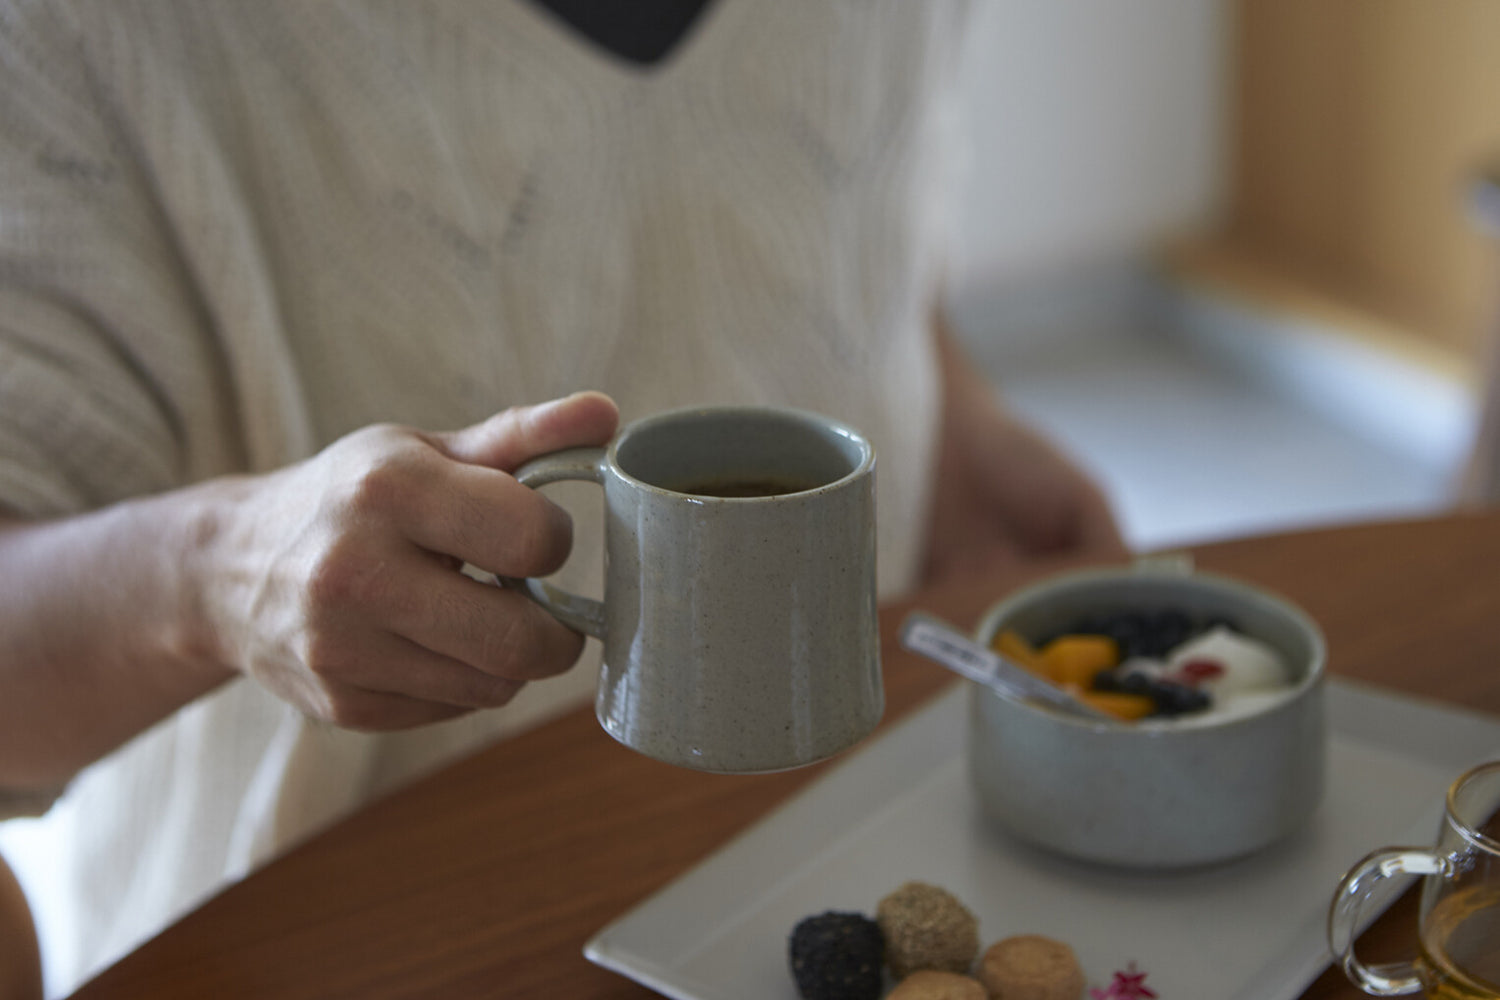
x=486 y=879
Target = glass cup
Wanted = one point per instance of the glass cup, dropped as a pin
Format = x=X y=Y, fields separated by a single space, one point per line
x=1459 y=918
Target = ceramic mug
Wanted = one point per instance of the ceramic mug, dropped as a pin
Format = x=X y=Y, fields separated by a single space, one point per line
x=739 y=612
x=1458 y=955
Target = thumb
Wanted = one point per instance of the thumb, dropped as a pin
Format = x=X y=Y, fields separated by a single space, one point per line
x=521 y=433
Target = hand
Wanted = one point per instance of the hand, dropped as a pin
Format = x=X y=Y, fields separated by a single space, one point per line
x=1005 y=497
x=335 y=583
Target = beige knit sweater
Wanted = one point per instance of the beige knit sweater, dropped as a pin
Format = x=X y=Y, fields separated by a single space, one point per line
x=231 y=232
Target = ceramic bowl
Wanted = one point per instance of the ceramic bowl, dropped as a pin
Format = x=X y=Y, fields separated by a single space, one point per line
x=1158 y=793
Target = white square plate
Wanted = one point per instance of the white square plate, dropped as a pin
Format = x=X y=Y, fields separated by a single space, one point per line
x=900 y=809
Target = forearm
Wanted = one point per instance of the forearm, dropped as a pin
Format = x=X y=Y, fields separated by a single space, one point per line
x=1005 y=495
x=101 y=632
x=333 y=583
x=965 y=389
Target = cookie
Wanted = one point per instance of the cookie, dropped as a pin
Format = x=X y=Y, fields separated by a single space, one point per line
x=929 y=984
x=927 y=928
x=1031 y=967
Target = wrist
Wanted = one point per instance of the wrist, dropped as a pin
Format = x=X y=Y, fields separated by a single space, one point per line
x=105 y=641
x=191 y=528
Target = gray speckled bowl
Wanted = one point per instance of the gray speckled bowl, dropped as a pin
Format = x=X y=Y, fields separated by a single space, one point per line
x=1156 y=793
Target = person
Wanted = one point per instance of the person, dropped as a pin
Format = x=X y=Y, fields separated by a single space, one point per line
x=20 y=960
x=288 y=290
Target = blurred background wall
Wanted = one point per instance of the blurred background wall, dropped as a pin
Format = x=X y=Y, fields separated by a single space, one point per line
x=1097 y=128
x=1250 y=219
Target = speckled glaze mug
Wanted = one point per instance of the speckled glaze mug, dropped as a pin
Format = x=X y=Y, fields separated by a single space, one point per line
x=739 y=613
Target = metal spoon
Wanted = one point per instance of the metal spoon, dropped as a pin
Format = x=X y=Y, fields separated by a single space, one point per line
x=940 y=642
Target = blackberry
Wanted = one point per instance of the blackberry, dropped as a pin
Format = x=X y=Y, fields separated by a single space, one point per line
x=1169 y=629
x=838 y=956
x=1150 y=634
x=1130 y=683
x=1177 y=699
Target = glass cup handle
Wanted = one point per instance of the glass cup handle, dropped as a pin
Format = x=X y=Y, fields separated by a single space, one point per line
x=1344 y=916
x=579 y=613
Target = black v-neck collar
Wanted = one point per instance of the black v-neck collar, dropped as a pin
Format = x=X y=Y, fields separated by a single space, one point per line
x=643 y=32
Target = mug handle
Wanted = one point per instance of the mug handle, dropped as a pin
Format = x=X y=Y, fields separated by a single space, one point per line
x=1344 y=923
x=579 y=613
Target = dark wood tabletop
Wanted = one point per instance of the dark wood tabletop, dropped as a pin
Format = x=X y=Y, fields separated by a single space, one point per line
x=486 y=879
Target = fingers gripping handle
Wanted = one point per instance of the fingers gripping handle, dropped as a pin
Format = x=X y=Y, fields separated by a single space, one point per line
x=1344 y=921
x=573 y=610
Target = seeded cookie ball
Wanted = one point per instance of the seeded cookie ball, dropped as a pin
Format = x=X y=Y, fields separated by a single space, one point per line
x=837 y=956
x=1031 y=967
x=929 y=984
x=926 y=928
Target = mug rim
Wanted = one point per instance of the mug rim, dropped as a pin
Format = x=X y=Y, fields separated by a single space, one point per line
x=1462 y=826
x=808 y=418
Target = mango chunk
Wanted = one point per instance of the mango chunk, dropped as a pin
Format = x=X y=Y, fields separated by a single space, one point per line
x=1075 y=659
x=1014 y=647
x=1128 y=707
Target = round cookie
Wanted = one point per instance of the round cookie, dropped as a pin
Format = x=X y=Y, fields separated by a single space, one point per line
x=1031 y=967
x=929 y=984
x=926 y=928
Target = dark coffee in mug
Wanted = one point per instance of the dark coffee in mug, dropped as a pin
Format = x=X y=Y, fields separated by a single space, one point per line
x=747 y=487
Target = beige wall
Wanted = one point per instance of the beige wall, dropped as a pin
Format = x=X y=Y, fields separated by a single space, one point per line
x=1354 y=126
x=1095 y=128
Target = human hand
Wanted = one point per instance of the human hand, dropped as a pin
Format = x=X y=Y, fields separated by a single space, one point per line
x=336 y=583
x=1005 y=497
